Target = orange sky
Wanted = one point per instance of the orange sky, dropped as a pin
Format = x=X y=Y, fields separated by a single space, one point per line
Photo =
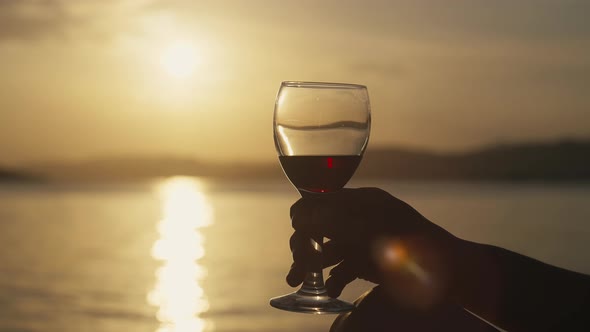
x=86 y=79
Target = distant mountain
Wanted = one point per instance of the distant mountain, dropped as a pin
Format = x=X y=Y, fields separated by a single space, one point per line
x=560 y=161
x=566 y=160
x=138 y=168
x=8 y=175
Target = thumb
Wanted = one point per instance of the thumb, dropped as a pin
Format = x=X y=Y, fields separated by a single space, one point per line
x=340 y=276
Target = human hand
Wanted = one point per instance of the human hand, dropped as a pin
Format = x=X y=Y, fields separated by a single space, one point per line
x=376 y=312
x=373 y=236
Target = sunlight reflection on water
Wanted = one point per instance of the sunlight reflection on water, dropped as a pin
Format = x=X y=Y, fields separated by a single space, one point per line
x=178 y=293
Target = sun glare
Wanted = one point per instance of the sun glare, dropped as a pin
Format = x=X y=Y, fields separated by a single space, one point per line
x=179 y=59
x=178 y=293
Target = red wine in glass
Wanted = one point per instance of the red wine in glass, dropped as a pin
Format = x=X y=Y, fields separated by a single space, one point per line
x=319 y=174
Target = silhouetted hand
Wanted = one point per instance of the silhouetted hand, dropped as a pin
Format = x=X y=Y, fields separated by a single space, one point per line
x=376 y=312
x=419 y=265
x=373 y=236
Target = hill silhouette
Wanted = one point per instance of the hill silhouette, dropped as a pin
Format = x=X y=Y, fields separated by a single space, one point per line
x=565 y=160
x=9 y=175
x=139 y=168
x=560 y=161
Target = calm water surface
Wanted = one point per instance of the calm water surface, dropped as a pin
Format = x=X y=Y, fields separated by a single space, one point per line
x=186 y=254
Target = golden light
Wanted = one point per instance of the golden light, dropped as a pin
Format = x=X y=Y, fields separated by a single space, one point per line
x=178 y=293
x=392 y=255
x=180 y=59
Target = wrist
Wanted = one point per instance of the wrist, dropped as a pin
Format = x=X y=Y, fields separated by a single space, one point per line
x=457 y=263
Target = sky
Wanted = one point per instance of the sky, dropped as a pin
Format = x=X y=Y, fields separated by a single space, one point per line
x=100 y=78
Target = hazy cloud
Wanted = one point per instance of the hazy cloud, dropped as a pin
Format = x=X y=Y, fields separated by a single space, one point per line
x=30 y=19
x=441 y=73
x=528 y=20
x=63 y=19
x=381 y=69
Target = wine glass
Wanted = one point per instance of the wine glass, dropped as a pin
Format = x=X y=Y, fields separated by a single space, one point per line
x=321 y=131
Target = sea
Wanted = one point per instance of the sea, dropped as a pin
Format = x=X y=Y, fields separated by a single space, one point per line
x=192 y=254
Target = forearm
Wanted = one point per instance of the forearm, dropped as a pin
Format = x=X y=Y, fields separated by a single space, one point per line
x=516 y=292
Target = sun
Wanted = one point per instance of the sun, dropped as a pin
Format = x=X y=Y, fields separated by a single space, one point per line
x=179 y=59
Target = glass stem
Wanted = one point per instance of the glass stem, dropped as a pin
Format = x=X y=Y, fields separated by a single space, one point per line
x=314 y=280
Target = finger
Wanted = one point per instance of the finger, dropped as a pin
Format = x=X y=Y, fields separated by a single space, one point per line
x=297 y=271
x=332 y=253
x=309 y=211
x=298 y=241
x=295 y=275
x=302 y=207
x=316 y=217
x=307 y=253
x=326 y=211
x=308 y=200
x=340 y=276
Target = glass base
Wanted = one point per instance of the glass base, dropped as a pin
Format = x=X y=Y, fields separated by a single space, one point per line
x=309 y=303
